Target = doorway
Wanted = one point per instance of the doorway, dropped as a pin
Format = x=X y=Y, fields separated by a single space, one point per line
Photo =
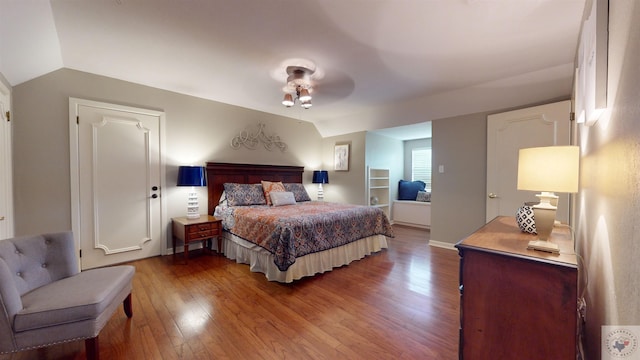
x=117 y=177
x=507 y=133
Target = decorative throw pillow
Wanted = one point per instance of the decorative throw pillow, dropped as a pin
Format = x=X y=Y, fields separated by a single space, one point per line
x=408 y=190
x=244 y=194
x=298 y=190
x=279 y=198
x=269 y=186
x=423 y=196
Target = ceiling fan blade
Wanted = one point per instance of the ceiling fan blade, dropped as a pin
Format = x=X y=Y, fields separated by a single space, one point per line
x=335 y=86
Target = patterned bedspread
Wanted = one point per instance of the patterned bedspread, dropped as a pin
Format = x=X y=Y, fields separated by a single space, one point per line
x=307 y=227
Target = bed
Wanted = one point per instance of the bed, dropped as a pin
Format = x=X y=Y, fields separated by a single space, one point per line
x=290 y=251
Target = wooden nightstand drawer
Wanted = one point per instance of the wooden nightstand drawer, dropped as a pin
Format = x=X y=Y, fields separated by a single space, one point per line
x=198 y=227
x=199 y=235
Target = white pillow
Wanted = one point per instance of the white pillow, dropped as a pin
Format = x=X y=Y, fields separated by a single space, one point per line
x=280 y=198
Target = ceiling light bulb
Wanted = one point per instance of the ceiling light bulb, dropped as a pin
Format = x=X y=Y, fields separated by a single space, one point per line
x=288 y=100
x=304 y=95
x=306 y=104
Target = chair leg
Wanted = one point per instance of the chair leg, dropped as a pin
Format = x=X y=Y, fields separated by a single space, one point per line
x=127 y=306
x=92 y=348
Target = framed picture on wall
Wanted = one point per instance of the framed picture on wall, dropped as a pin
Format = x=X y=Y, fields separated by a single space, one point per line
x=590 y=87
x=341 y=157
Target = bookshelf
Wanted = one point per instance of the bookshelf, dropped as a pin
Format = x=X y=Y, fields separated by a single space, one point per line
x=378 y=189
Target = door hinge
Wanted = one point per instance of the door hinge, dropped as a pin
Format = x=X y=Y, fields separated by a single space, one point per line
x=8 y=113
x=572 y=116
x=78 y=120
x=80 y=252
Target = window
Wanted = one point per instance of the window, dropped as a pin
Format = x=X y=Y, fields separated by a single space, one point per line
x=421 y=165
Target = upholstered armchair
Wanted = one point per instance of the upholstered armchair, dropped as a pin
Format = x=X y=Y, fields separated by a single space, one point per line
x=45 y=299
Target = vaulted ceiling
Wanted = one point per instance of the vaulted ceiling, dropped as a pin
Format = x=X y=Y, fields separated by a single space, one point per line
x=381 y=63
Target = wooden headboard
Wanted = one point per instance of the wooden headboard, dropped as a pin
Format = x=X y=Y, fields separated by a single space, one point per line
x=220 y=173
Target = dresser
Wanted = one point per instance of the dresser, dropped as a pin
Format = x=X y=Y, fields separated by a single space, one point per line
x=517 y=303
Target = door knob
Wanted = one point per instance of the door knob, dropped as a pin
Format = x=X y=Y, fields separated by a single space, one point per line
x=154 y=188
x=155 y=196
x=492 y=196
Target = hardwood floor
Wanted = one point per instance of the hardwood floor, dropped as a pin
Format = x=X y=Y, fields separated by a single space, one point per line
x=401 y=303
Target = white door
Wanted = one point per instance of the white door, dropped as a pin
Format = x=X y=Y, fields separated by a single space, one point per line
x=6 y=169
x=511 y=131
x=118 y=170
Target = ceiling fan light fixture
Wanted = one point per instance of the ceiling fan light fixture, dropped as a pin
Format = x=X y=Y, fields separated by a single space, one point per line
x=299 y=85
x=288 y=100
x=304 y=95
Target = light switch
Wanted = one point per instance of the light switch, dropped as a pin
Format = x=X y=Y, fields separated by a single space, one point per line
x=441 y=169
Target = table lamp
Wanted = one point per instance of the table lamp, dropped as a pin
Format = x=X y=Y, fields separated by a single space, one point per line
x=192 y=176
x=320 y=177
x=547 y=169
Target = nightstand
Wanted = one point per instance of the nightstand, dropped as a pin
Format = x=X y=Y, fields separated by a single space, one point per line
x=190 y=230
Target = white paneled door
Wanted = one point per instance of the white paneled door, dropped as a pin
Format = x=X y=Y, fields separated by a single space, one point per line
x=511 y=131
x=6 y=171
x=116 y=179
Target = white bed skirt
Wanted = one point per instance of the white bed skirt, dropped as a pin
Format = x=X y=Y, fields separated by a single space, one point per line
x=260 y=260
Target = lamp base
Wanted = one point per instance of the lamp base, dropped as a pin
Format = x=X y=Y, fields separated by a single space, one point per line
x=193 y=208
x=542 y=245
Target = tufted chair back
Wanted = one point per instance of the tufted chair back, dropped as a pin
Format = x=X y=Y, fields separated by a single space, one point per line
x=38 y=260
x=27 y=263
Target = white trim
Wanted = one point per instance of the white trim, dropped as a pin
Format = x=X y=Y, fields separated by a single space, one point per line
x=443 y=245
x=74 y=173
x=7 y=170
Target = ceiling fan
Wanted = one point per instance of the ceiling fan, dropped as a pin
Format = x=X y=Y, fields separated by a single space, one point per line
x=303 y=79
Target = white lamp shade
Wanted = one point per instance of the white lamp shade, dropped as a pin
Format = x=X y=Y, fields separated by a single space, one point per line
x=551 y=169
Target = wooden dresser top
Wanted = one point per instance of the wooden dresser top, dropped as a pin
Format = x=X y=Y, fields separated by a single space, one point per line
x=502 y=235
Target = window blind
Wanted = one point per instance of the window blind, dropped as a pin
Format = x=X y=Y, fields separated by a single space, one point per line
x=421 y=165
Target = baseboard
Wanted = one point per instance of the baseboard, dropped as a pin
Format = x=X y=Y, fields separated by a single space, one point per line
x=419 y=226
x=193 y=246
x=443 y=245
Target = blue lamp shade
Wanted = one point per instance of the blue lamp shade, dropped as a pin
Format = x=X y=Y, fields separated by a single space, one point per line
x=320 y=177
x=191 y=176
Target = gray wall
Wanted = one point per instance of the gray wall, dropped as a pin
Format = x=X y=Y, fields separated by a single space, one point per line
x=458 y=194
x=197 y=131
x=345 y=186
x=608 y=205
